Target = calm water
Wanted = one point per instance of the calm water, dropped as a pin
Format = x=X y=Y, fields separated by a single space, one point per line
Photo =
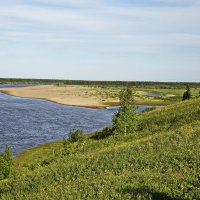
x=26 y=122
x=16 y=85
x=154 y=95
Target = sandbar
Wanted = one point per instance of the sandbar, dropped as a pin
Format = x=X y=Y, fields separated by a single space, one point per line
x=67 y=95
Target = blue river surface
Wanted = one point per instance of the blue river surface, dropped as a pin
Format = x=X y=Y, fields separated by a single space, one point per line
x=26 y=122
x=16 y=85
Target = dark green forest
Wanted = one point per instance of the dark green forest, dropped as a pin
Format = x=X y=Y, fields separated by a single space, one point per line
x=161 y=85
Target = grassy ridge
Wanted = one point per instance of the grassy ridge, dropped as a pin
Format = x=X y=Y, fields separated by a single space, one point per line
x=171 y=117
x=160 y=161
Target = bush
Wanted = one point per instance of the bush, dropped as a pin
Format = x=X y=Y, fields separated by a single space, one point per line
x=47 y=161
x=6 y=163
x=104 y=133
x=76 y=136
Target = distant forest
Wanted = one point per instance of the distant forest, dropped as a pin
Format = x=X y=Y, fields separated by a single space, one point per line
x=162 y=85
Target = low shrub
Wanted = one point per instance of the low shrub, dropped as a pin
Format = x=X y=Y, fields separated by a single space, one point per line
x=75 y=136
x=6 y=163
x=104 y=133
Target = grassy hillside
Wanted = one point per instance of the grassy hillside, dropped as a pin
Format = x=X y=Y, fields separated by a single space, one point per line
x=160 y=161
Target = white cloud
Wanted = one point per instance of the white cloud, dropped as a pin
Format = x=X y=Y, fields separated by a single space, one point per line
x=190 y=2
x=109 y=20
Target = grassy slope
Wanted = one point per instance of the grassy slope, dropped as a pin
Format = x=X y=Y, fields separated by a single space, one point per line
x=160 y=161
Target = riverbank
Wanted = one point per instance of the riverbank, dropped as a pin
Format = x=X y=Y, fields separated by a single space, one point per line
x=70 y=95
x=89 y=96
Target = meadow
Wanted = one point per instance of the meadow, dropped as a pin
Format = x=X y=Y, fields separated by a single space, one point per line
x=161 y=160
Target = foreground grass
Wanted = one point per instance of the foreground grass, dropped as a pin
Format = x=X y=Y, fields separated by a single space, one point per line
x=160 y=161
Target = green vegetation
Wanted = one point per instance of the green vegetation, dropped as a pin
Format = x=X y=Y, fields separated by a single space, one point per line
x=142 y=84
x=187 y=94
x=6 y=163
x=106 y=92
x=75 y=136
x=126 y=96
x=159 y=161
x=125 y=120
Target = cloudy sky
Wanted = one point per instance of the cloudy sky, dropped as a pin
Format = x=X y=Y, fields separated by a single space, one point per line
x=157 y=40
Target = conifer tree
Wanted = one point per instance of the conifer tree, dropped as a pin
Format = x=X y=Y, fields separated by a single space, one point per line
x=186 y=94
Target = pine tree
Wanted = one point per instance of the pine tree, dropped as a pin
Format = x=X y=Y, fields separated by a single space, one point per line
x=186 y=94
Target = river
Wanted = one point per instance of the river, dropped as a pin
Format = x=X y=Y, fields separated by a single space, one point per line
x=26 y=122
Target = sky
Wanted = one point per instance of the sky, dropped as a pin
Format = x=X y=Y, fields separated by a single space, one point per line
x=129 y=40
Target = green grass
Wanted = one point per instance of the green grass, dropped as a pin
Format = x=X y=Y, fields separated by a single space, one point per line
x=108 y=95
x=160 y=161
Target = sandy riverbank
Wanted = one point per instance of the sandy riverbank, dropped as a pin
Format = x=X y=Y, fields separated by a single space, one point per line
x=67 y=95
x=85 y=96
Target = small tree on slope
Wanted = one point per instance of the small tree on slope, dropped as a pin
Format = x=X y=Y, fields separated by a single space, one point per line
x=125 y=120
x=6 y=163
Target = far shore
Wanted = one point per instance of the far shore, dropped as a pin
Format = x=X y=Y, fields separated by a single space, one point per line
x=69 y=95
x=81 y=96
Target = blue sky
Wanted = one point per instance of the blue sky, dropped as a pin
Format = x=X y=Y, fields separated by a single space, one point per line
x=156 y=40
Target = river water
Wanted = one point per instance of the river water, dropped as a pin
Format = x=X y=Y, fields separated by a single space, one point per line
x=26 y=122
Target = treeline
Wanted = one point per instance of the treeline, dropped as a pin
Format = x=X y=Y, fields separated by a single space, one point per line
x=162 y=85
